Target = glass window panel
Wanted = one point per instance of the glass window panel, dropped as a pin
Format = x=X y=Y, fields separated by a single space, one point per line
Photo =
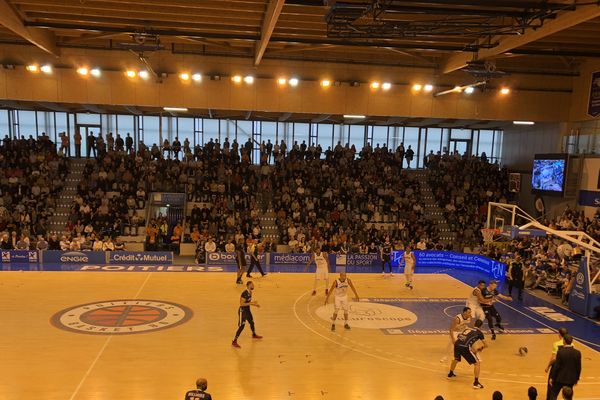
x=269 y=130
x=185 y=130
x=4 y=130
x=445 y=140
x=88 y=119
x=380 y=136
x=434 y=139
x=151 y=132
x=27 y=124
x=126 y=126
x=244 y=131
x=461 y=133
x=211 y=129
x=497 y=154
x=357 y=137
x=325 y=136
x=411 y=138
x=485 y=142
x=420 y=154
x=301 y=133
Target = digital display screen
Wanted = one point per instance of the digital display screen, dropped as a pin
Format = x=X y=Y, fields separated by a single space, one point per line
x=548 y=175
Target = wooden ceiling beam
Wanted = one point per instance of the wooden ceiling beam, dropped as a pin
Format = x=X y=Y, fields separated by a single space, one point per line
x=505 y=44
x=42 y=38
x=270 y=20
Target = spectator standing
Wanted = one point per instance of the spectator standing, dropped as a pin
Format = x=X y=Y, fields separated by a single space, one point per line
x=129 y=144
x=91 y=144
x=77 y=141
x=409 y=155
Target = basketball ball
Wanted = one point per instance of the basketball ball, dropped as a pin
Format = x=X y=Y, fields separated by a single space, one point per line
x=523 y=351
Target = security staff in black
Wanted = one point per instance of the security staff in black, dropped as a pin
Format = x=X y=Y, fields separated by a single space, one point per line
x=386 y=255
x=515 y=277
x=245 y=314
x=490 y=294
x=200 y=392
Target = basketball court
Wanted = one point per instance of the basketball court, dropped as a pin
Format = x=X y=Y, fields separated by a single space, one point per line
x=149 y=335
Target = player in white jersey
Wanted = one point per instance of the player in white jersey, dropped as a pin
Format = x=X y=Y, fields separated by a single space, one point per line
x=409 y=261
x=321 y=260
x=460 y=322
x=473 y=301
x=340 y=290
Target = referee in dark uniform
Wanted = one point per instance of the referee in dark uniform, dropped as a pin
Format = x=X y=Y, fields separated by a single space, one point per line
x=200 y=392
x=245 y=314
x=240 y=259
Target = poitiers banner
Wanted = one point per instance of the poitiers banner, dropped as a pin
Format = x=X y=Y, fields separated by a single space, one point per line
x=19 y=257
x=72 y=257
x=578 y=299
x=142 y=257
x=594 y=100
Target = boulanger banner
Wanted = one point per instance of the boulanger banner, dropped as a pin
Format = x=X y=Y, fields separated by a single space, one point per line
x=142 y=257
x=19 y=257
x=222 y=258
x=72 y=257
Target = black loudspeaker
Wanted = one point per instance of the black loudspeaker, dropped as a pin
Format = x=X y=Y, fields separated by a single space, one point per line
x=514 y=182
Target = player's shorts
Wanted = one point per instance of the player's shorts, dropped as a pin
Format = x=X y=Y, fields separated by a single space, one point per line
x=476 y=311
x=321 y=273
x=244 y=315
x=341 y=303
x=466 y=353
x=409 y=269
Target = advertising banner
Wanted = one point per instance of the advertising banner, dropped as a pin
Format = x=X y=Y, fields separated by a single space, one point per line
x=73 y=257
x=589 y=198
x=289 y=258
x=578 y=299
x=141 y=257
x=222 y=258
x=359 y=260
x=594 y=100
x=19 y=257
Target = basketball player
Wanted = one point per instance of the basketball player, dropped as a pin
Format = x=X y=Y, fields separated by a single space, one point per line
x=340 y=288
x=487 y=300
x=473 y=301
x=200 y=392
x=463 y=348
x=322 y=272
x=245 y=314
x=459 y=323
x=385 y=253
x=240 y=259
x=409 y=261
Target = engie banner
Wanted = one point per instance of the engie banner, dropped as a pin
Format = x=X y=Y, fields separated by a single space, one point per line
x=143 y=257
x=72 y=257
x=19 y=257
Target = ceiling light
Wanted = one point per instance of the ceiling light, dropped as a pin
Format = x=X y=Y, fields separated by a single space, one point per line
x=236 y=79
x=293 y=82
x=469 y=89
x=281 y=81
x=457 y=89
x=249 y=79
x=325 y=83
x=32 y=68
x=83 y=71
x=130 y=73
x=47 y=69
x=428 y=88
x=184 y=76
x=143 y=74
x=523 y=122
x=504 y=90
x=197 y=77
x=177 y=109
x=95 y=72
x=352 y=116
x=375 y=85
x=386 y=86
x=417 y=87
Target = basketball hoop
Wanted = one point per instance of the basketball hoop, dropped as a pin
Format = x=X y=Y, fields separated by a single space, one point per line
x=488 y=234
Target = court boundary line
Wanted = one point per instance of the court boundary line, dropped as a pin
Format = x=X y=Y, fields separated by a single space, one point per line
x=358 y=350
x=91 y=367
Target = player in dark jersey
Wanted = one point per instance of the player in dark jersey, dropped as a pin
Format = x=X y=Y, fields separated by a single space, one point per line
x=245 y=314
x=385 y=252
x=488 y=297
x=464 y=348
x=200 y=392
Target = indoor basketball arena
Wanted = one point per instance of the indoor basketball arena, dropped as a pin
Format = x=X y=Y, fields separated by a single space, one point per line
x=300 y=199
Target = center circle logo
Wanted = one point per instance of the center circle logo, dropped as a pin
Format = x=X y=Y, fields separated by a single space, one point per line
x=121 y=317
x=370 y=315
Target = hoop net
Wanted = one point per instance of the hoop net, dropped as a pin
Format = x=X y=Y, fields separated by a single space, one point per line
x=488 y=234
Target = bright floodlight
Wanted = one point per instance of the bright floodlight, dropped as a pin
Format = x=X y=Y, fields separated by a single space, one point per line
x=428 y=88
x=293 y=82
x=386 y=86
x=143 y=74
x=95 y=72
x=47 y=69
x=469 y=89
x=83 y=71
x=197 y=77
x=249 y=79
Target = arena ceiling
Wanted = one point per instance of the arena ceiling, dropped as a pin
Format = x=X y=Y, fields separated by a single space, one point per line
x=551 y=36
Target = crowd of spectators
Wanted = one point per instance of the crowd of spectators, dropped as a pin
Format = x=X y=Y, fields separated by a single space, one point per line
x=462 y=187
x=32 y=174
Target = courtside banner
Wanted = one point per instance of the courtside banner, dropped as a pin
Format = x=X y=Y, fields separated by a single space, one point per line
x=289 y=258
x=578 y=298
x=222 y=258
x=449 y=259
x=72 y=257
x=19 y=257
x=361 y=260
x=142 y=257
